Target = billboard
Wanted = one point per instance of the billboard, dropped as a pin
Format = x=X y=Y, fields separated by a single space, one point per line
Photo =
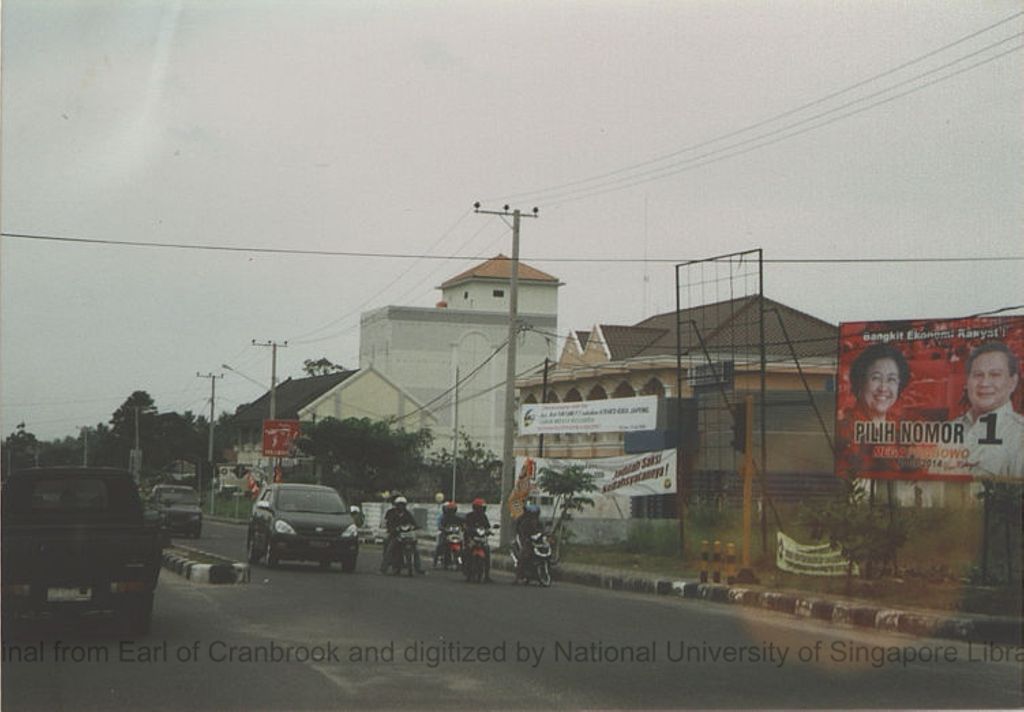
x=931 y=399
x=279 y=437
x=615 y=415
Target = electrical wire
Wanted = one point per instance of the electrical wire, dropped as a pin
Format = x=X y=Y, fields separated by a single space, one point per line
x=756 y=125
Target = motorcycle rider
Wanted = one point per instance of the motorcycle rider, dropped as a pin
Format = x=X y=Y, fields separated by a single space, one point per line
x=449 y=517
x=527 y=525
x=477 y=519
x=395 y=517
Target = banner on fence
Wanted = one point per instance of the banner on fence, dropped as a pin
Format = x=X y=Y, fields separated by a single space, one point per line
x=632 y=475
x=811 y=560
x=936 y=399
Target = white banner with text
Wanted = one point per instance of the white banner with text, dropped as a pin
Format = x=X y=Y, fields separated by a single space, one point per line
x=614 y=415
x=631 y=475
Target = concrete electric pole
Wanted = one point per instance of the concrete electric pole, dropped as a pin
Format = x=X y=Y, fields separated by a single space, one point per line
x=273 y=372
x=508 y=459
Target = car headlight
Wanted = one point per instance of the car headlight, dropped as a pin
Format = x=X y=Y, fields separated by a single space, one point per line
x=283 y=527
x=351 y=532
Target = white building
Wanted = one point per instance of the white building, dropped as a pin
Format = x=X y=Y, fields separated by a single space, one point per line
x=419 y=349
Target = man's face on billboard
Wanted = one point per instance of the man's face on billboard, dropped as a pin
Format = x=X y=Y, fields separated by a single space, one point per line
x=989 y=384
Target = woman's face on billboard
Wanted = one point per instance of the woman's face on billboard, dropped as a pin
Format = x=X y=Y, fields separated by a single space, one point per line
x=881 y=387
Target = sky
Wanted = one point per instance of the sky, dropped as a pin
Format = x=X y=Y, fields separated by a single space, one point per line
x=883 y=137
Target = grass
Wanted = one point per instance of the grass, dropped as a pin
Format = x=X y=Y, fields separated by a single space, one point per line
x=933 y=569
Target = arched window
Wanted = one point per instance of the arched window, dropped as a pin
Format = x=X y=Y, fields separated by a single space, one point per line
x=573 y=396
x=530 y=399
x=597 y=393
x=654 y=387
x=552 y=397
x=624 y=390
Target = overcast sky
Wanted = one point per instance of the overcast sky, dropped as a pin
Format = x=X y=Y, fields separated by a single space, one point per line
x=808 y=129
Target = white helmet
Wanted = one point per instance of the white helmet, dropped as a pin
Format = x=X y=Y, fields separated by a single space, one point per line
x=401 y=500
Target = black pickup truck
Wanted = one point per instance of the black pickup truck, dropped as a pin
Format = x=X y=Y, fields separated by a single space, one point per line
x=76 y=540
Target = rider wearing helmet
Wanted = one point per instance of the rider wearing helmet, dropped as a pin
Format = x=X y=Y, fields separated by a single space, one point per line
x=448 y=517
x=477 y=519
x=527 y=525
x=396 y=516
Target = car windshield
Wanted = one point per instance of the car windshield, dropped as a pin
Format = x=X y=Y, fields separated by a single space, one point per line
x=318 y=501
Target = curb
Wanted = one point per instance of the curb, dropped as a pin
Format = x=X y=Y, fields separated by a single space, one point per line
x=227 y=572
x=964 y=627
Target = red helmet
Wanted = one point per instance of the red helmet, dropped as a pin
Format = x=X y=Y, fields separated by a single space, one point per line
x=479 y=503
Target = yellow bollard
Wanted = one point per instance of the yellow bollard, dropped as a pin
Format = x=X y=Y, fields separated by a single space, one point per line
x=716 y=563
x=705 y=549
x=730 y=562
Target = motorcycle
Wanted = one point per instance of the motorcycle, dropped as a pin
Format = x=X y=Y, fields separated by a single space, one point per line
x=403 y=550
x=537 y=566
x=474 y=564
x=451 y=542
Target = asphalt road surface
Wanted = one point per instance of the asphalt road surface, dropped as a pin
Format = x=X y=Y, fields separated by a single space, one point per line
x=363 y=640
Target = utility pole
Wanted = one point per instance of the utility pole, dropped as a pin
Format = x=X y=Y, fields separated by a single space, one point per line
x=543 y=399
x=455 y=433
x=508 y=460
x=209 y=448
x=273 y=372
x=85 y=446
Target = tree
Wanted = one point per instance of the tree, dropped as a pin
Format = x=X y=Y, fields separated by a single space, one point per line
x=21 y=448
x=568 y=486
x=867 y=536
x=320 y=367
x=477 y=472
x=362 y=457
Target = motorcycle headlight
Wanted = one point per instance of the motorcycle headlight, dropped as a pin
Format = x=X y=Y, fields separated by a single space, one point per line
x=351 y=532
x=283 y=527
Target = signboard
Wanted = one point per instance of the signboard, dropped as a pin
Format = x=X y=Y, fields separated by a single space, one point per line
x=616 y=415
x=524 y=484
x=279 y=437
x=936 y=399
x=631 y=475
x=811 y=560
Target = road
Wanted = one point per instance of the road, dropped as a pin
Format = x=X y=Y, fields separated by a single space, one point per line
x=567 y=647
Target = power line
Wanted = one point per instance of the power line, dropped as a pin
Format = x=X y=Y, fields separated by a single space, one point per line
x=758 y=124
x=722 y=154
x=536 y=258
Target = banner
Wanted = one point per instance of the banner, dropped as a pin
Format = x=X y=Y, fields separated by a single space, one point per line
x=631 y=475
x=615 y=415
x=279 y=437
x=811 y=560
x=935 y=399
x=524 y=484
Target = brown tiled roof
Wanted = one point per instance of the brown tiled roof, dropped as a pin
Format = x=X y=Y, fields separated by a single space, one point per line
x=500 y=267
x=730 y=327
x=625 y=342
x=733 y=326
x=582 y=337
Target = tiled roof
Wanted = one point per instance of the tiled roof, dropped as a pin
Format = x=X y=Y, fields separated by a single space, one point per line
x=730 y=326
x=626 y=341
x=500 y=267
x=291 y=395
x=582 y=337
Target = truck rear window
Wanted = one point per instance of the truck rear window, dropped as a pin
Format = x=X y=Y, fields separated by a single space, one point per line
x=71 y=499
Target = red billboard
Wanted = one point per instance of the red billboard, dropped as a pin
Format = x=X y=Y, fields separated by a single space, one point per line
x=279 y=437
x=931 y=399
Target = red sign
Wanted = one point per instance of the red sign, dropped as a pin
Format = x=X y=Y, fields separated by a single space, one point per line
x=279 y=437
x=935 y=399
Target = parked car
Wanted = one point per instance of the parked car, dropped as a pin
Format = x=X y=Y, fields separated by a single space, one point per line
x=179 y=509
x=76 y=540
x=299 y=522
